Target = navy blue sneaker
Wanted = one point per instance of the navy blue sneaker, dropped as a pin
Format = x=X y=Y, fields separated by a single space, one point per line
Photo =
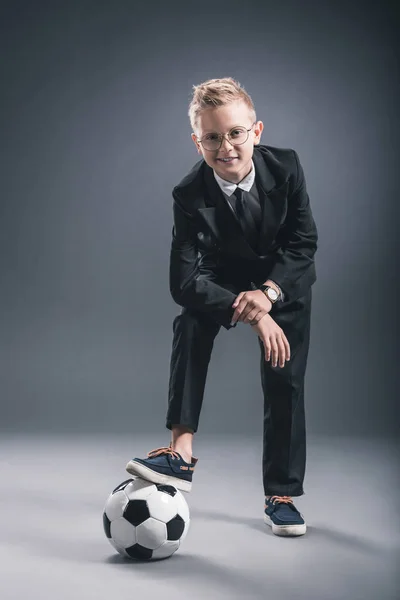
x=164 y=465
x=282 y=515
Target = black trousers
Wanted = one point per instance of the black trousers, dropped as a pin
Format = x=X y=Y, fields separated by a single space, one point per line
x=284 y=433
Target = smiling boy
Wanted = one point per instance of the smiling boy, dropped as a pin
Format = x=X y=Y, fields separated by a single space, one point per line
x=243 y=245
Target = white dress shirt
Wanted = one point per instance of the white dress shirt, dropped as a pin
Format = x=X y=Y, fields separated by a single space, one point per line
x=246 y=184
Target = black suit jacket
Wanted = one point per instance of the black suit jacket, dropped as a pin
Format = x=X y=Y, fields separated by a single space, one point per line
x=209 y=250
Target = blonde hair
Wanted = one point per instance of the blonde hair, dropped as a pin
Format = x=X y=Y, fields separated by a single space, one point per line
x=217 y=92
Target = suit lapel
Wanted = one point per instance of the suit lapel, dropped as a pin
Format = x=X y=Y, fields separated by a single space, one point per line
x=216 y=212
x=273 y=202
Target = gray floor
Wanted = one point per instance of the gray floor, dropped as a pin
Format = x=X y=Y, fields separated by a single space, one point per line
x=53 y=490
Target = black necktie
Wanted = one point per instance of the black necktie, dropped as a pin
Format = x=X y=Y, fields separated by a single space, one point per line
x=245 y=216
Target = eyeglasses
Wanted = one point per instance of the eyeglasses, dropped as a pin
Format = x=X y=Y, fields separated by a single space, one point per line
x=236 y=136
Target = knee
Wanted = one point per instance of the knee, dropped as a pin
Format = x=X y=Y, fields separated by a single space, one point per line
x=192 y=321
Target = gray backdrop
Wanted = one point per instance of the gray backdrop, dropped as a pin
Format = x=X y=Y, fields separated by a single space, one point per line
x=94 y=136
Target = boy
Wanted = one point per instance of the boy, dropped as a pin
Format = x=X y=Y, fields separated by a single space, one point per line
x=243 y=245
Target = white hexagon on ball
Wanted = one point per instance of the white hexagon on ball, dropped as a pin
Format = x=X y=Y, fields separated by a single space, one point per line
x=151 y=533
x=182 y=506
x=162 y=506
x=166 y=549
x=123 y=533
x=115 y=505
x=139 y=489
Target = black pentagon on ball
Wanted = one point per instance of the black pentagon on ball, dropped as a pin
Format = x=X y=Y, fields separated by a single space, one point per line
x=139 y=552
x=121 y=486
x=168 y=489
x=136 y=511
x=175 y=528
x=106 y=525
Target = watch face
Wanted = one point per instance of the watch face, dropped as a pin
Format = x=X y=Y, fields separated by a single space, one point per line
x=273 y=294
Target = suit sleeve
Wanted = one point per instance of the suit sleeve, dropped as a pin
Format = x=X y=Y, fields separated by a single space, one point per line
x=299 y=245
x=188 y=286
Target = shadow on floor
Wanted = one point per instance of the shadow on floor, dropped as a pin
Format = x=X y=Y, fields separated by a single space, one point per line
x=321 y=532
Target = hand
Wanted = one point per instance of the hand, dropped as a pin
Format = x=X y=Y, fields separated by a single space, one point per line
x=274 y=340
x=251 y=306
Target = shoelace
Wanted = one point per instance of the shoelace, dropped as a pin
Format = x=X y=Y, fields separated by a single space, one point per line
x=163 y=450
x=283 y=499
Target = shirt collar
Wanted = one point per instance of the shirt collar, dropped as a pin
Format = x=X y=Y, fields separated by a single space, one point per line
x=228 y=187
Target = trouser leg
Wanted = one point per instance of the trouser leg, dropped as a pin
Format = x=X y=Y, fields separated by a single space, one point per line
x=193 y=339
x=284 y=439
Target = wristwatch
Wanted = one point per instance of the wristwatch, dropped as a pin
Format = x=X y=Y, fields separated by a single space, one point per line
x=271 y=294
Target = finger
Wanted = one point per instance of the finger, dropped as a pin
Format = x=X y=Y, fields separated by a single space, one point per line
x=254 y=316
x=237 y=313
x=250 y=315
x=239 y=307
x=274 y=351
x=244 y=312
x=248 y=310
x=281 y=350
x=242 y=309
x=238 y=299
x=267 y=348
x=287 y=346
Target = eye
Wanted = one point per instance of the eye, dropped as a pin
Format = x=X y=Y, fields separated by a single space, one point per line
x=236 y=132
x=211 y=137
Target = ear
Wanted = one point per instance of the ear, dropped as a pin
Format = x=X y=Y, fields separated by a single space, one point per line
x=258 y=128
x=196 y=143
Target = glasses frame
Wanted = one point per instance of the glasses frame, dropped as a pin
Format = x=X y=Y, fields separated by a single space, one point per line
x=222 y=135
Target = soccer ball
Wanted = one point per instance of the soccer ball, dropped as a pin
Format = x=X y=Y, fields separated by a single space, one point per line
x=145 y=520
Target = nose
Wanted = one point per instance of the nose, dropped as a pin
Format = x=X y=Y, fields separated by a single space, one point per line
x=226 y=141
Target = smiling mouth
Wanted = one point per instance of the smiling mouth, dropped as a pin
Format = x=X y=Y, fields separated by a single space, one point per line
x=227 y=160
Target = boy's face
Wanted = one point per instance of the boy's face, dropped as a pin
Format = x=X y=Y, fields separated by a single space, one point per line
x=224 y=119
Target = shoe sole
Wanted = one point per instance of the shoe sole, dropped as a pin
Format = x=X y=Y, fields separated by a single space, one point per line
x=135 y=468
x=285 y=530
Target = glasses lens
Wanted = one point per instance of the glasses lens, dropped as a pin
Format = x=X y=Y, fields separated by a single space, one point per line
x=238 y=135
x=211 y=141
